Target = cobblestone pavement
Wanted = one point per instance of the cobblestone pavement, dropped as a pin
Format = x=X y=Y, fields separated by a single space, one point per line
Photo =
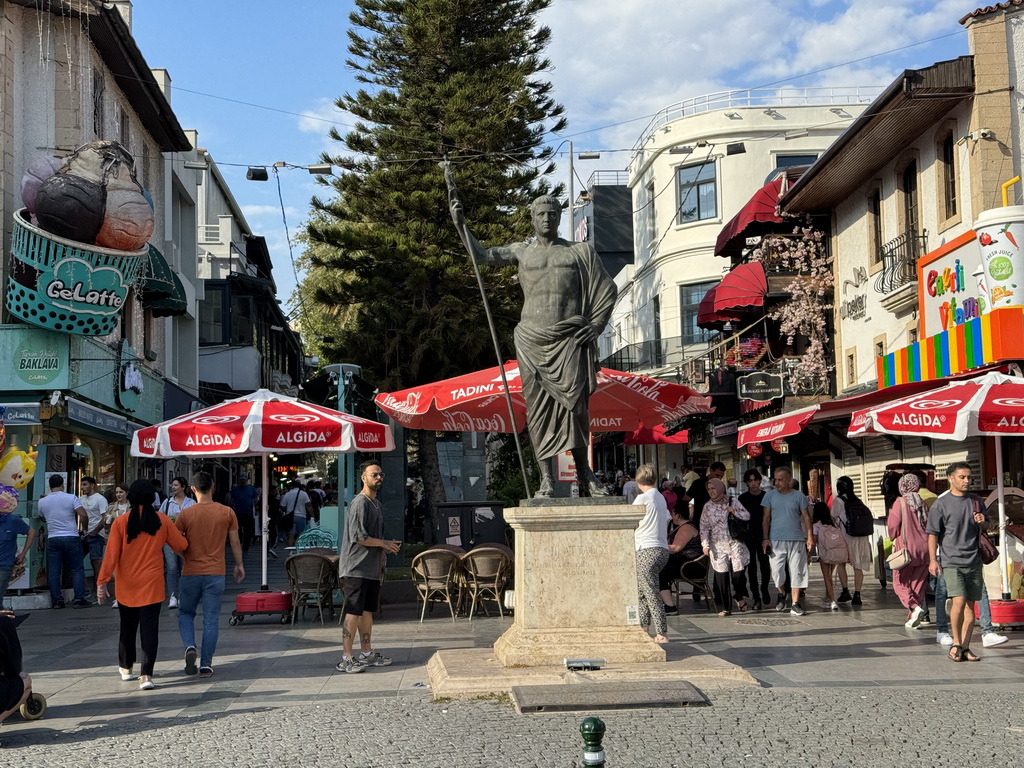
x=847 y=689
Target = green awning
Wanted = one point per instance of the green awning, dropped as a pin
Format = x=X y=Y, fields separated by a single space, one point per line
x=160 y=289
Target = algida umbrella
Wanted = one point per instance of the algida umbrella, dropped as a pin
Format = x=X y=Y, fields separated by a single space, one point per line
x=475 y=402
x=991 y=404
x=260 y=424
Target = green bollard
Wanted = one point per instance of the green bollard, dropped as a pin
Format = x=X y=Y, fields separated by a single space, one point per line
x=592 y=730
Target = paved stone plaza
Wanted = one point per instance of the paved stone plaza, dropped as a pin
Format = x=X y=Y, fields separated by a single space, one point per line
x=847 y=689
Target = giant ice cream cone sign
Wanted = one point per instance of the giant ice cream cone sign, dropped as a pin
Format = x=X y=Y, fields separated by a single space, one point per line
x=1000 y=233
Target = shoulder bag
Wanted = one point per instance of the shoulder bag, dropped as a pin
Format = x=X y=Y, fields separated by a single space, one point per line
x=988 y=551
x=287 y=520
x=900 y=557
x=737 y=528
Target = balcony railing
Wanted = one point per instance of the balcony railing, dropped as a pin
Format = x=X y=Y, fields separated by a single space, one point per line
x=209 y=233
x=899 y=261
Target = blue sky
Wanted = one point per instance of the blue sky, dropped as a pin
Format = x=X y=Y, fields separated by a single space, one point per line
x=614 y=63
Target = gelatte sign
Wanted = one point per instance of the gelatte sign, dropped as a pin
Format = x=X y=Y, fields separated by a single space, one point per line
x=950 y=286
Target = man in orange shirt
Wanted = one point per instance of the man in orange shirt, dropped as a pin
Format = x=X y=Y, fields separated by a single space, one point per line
x=206 y=525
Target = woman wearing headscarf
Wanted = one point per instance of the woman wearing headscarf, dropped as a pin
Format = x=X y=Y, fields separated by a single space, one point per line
x=135 y=554
x=906 y=526
x=726 y=553
x=651 y=540
x=859 y=547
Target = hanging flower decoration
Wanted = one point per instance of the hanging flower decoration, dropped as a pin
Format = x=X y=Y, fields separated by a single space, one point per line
x=806 y=312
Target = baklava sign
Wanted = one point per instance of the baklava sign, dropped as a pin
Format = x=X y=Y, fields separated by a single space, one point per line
x=39 y=364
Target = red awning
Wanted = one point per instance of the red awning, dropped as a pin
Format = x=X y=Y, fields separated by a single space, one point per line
x=708 y=318
x=744 y=286
x=761 y=210
x=791 y=423
x=655 y=436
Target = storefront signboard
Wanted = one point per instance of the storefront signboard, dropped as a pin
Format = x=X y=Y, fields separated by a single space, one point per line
x=96 y=418
x=726 y=429
x=951 y=286
x=18 y=414
x=759 y=386
x=36 y=359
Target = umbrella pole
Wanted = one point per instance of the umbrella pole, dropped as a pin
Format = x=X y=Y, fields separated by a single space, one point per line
x=1003 y=554
x=264 y=521
x=465 y=237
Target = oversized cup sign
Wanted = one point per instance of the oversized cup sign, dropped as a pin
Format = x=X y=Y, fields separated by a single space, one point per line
x=754 y=450
x=1000 y=233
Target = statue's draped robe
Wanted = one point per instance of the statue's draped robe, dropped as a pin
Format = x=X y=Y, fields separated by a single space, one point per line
x=559 y=375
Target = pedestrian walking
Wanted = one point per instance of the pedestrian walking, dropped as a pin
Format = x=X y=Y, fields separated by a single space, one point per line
x=206 y=524
x=855 y=522
x=173 y=506
x=651 y=541
x=363 y=556
x=954 y=530
x=729 y=555
x=788 y=538
x=135 y=554
x=831 y=547
x=66 y=520
x=296 y=510
x=758 y=570
x=119 y=506
x=243 y=501
x=96 y=509
x=906 y=527
x=11 y=527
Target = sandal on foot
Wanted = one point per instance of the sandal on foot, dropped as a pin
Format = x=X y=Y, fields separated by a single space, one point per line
x=955 y=652
x=725 y=613
x=968 y=655
x=741 y=605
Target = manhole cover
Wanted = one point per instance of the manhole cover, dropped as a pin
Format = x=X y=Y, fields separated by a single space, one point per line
x=93 y=628
x=767 y=622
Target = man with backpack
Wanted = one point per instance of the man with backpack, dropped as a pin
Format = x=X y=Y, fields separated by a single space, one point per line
x=857 y=523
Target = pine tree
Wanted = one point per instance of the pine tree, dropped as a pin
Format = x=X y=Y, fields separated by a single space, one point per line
x=457 y=79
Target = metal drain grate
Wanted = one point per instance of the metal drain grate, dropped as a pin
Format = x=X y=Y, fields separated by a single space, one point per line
x=82 y=628
x=767 y=622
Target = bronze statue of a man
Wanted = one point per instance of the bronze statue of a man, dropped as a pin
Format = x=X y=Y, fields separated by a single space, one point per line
x=567 y=300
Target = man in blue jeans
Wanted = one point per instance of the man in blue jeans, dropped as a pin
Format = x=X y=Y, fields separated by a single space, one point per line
x=206 y=524
x=66 y=521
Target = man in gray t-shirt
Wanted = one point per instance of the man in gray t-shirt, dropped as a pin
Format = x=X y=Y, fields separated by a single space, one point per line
x=363 y=549
x=954 y=528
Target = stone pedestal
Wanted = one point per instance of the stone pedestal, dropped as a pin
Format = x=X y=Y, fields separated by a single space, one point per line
x=576 y=586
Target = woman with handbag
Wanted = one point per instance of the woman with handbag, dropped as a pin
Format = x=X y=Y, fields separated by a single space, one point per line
x=909 y=559
x=723 y=528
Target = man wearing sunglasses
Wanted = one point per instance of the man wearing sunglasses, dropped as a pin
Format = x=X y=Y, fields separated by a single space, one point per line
x=363 y=554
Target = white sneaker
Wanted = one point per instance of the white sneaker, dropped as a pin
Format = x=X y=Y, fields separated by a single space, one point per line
x=991 y=639
x=172 y=603
x=944 y=638
x=915 y=618
x=833 y=606
x=114 y=604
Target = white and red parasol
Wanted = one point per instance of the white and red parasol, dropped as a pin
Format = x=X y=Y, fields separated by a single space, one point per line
x=263 y=422
x=475 y=402
x=991 y=404
x=260 y=424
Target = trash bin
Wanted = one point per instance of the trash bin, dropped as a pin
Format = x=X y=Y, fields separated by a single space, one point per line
x=468 y=523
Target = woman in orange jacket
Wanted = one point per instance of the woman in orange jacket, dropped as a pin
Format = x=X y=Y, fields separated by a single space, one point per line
x=135 y=554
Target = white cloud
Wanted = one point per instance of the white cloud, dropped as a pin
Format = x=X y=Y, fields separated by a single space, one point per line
x=321 y=117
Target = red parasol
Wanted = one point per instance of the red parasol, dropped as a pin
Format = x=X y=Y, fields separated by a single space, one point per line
x=475 y=402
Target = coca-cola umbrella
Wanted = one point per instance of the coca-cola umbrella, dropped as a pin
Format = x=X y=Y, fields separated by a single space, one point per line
x=260 y=424
x=475 y=402
x=991 y=404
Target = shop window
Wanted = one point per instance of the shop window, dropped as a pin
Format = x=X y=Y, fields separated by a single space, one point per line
x=697 y=192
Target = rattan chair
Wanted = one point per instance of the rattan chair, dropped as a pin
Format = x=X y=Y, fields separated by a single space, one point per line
x=313 y=579
x=696 y=573
x=436 y=574
x=486 y=571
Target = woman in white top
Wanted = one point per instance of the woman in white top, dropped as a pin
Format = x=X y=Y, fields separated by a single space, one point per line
x=651 y=537
x=173 y=506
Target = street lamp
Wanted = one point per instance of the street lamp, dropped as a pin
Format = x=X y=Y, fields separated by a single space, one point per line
x=572 y=182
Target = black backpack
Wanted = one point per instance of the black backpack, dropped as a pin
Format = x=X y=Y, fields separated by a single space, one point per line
x=859 y=520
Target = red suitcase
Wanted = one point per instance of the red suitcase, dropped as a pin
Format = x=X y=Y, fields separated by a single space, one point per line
x=262 y=604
